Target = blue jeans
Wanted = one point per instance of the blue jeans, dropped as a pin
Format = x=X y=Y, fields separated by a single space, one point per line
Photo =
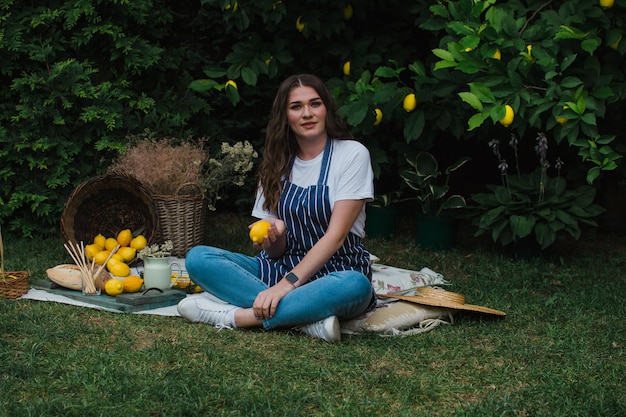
x=233 y=277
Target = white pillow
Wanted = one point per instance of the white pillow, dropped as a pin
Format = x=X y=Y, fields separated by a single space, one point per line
x=393 y=318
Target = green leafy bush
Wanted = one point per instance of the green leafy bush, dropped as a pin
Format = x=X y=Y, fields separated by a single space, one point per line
x=532 y=205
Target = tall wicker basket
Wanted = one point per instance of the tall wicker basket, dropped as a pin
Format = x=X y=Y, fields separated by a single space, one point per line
x=108 y=204
x=182 y=217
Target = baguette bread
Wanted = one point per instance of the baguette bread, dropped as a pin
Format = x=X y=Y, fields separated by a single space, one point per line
x=69 y=276
x=66 y=275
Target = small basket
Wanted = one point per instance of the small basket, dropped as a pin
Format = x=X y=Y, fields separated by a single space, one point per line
x=182 y=218
x=13 y=284
x=108 y=204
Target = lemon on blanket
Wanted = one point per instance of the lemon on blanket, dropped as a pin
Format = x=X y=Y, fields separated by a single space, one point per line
x=119 y=269
x=127 y=253
x=114 y=287
x=101 y=256
x=132 y=283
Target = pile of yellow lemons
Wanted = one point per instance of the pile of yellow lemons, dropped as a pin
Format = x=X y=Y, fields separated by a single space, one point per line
x=117 y=265
x=99 y=251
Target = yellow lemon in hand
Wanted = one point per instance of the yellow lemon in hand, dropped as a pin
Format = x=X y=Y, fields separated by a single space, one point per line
x=508 y=116
x=132 y=283
x=409 y=103
x=114 y=287
x=379 y=116
x=124 y=237
x=259 y=230
x=139 y=242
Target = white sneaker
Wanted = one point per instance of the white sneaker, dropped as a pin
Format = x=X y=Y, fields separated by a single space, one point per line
x=202 y=309
x=327 y=329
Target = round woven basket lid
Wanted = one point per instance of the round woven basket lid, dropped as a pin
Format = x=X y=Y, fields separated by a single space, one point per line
x=108 y=204
x=441 y=298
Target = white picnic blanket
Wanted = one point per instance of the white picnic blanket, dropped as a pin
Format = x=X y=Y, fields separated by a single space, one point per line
x=386 y=279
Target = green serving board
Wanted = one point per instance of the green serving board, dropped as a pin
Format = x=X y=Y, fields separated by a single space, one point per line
x=125 y=303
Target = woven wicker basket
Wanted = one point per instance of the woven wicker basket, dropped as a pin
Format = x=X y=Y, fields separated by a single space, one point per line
x=108 y=204
x=182 y=217
x=13 y=284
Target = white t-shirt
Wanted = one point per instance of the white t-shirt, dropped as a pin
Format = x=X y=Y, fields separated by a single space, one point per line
x=350 y=177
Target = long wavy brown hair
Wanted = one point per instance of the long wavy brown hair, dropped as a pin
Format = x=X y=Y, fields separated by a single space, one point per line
x=281 y=145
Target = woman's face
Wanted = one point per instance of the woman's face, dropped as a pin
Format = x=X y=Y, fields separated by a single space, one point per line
x=306 y=114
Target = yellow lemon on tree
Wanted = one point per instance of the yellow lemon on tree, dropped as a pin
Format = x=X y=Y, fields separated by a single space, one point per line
x=127 y=253
x=231 y=83
x=101 y=256
x=615 y=44
x=346 y=68
x=91 y=251
x=124 y=237
x=409 y=103
x=562 y=120
x=139 y=242
x=259 y=230
x=607 y=4
x=299 y=24
x=508 y=116
x=497 y=55
x=114 y=287
x=132 y=283
x=110 y=243
x=348 y=12
x=99 y=240
x=120 y=269
x=379 y=116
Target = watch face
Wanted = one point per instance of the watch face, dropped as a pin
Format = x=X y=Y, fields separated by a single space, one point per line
x=291 y=277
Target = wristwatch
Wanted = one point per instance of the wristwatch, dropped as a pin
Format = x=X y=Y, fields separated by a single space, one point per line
x=292 y=278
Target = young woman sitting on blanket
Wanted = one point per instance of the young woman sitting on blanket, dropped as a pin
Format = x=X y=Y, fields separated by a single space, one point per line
x=312 y=268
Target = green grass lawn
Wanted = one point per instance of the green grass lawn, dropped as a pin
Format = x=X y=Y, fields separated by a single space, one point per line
x=561 y=350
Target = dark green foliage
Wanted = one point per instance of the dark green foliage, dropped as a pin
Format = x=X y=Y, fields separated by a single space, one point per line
x=534 y=205
x=76 y=78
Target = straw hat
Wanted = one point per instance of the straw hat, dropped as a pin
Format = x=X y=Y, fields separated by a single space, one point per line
x=442 y=298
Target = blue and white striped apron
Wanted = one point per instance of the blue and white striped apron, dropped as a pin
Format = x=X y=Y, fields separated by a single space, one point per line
x=306 y=213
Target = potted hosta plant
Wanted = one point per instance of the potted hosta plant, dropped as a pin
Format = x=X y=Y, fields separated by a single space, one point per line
x=529 y=210
x=436 y=226
x=382 y=215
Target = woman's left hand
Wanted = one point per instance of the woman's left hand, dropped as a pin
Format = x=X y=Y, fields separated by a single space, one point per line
x=274 y=242
x=267 y=300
